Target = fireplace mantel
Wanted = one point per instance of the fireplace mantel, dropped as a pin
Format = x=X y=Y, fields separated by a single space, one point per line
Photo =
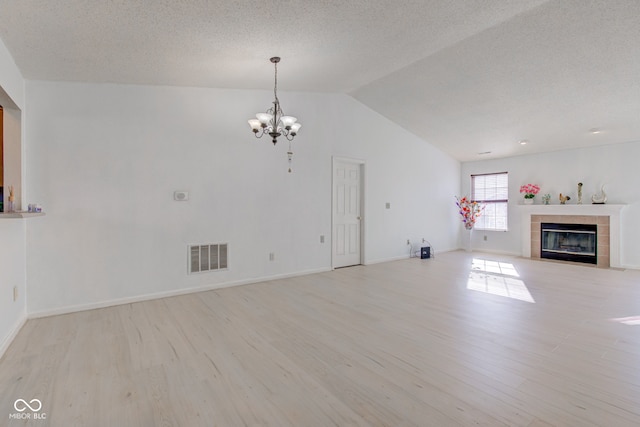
x=611 y=211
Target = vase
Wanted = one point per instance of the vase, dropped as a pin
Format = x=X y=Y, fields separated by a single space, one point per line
x=468 y=238
x=528 y=201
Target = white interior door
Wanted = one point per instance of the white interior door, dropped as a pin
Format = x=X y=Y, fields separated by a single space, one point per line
x=347 y=217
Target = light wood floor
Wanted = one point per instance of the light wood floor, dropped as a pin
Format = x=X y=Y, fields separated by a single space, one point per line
x=396 y=344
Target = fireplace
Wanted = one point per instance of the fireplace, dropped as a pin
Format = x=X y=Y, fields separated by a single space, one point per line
x=606 y=217
x=569 y=242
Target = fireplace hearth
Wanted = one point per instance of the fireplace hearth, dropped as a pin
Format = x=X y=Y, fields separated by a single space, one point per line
x=569 y=242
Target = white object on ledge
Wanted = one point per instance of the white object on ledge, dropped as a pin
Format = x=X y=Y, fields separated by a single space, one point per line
x=599 y=198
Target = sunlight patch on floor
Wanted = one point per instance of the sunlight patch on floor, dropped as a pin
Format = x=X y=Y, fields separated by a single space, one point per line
x=631 y=320
x=496 y=267
x=497 y=278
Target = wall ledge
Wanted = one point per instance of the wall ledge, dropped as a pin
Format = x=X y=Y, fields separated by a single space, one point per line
x=19 y=215
x=590 y=209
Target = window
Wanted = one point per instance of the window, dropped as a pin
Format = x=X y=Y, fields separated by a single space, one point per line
x=492 y=191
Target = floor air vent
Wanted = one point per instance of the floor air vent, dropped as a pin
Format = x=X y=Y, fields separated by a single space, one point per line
x=210 y=257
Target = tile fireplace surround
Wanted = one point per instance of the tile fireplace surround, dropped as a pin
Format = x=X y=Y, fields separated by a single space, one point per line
x=607 y=217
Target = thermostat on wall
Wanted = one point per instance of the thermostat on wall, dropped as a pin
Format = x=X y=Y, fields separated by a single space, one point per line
x=181 y=196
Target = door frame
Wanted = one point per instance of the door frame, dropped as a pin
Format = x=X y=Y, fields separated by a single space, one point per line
x=361 y=164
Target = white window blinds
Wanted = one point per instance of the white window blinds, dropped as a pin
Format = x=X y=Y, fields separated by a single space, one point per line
x=492 y=191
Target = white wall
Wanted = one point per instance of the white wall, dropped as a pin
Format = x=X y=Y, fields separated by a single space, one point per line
x=12 y=273
x=11 y=81
x=13 y=158
x=104 y=161
x=12 y=231
x=560 y=172
x=418 y=180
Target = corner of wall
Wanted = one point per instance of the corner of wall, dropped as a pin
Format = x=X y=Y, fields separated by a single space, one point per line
x=12 y=333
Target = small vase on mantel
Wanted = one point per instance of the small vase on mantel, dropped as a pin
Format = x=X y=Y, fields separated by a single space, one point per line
x=528 y=201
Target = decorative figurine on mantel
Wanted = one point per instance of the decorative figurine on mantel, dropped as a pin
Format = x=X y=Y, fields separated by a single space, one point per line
x=12 y=200
x=546 y=198
x=579 y=193
x=599 y=198
x=563 y=199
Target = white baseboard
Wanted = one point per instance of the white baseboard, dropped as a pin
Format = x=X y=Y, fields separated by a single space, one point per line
x=381 y=260
x=166 y=294
x=441 y=251
x=398 y=258
x=4 y=345
x=630 y=267
x=497 y=252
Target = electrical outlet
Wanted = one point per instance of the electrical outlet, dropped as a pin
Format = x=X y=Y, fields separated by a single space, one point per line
x=15 y=293
x=408 y=242
x=322 y=239
x=272 y=256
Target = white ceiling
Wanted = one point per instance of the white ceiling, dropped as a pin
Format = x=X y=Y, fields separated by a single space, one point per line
x=469 y=76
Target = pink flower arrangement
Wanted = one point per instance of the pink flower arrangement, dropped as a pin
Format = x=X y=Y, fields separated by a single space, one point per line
x=470 y=210
x=530 y=190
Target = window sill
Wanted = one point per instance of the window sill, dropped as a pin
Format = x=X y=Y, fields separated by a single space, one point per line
x=19 y=215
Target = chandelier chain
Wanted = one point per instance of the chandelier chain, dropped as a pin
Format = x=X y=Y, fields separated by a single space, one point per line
x=275 y=84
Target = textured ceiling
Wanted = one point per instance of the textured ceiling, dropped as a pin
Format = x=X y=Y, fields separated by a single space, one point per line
x=468 y=76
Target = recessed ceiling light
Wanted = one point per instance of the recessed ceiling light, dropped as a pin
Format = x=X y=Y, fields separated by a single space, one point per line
x=523 y=142
x=594 y=131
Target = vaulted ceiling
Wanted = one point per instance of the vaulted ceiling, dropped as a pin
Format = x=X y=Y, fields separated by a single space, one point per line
x=473 y=77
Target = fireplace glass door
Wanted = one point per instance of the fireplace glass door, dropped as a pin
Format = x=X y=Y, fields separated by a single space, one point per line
x=569 y=242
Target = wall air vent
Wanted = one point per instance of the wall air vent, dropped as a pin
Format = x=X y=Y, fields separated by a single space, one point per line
x=210 y=257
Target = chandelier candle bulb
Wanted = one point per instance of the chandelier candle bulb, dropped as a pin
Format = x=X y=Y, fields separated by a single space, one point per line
x=264 y=118
x=255 y=125
x=288 y=121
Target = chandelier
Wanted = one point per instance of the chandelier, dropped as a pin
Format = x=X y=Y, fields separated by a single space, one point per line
x=274 y=123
